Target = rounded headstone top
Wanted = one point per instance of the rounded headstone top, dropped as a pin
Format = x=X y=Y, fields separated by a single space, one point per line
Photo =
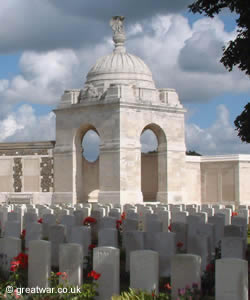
x=120 y=67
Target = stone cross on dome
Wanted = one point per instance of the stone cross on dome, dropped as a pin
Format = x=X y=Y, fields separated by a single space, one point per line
x=119 y=37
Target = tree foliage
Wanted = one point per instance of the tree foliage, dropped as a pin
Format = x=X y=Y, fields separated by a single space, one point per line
x=237 y=52
x=193 y=153
x=242 y=124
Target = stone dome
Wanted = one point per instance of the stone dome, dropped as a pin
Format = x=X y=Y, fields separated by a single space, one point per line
x=120 y=67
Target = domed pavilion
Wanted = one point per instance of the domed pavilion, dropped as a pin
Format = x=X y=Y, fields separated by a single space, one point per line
x=119 y=101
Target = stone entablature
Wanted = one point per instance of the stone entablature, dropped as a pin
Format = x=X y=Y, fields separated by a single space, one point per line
x=118 y=92
x=23 y=149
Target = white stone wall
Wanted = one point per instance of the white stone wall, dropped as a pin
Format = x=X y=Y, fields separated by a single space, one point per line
x=220 y=179
x=244 y=179
x=193 y=179
x=6 y=174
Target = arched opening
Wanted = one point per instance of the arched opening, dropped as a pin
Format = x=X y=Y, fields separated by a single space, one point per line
x=87 y=151
x=153 y=163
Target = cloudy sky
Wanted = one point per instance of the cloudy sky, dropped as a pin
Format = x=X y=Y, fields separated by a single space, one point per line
x=48 y=46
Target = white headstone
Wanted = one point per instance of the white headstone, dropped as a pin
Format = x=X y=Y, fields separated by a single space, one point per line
x=133 y=240
x=69 y=222
x=185 y=270
x=71 y=262
x=56 y=237
x=12 y=229
x=144 y=270
x=39 y=264
x=108 y=237
x=33 y=232
x=81 y=235
x=106 y=261
x=179 y=216
x=231 y=279
x=233 y=247
x=165 y=246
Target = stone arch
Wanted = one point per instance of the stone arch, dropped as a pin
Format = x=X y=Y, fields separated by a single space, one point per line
x=156 y=163
x=85 y=173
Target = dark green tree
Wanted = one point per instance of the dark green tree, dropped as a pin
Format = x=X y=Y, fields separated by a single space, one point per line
x=242 y=123
x=237 y=52
x=193 y=153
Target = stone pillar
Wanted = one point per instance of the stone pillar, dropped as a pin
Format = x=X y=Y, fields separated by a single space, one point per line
x=120 y=172
x=176 y=172
x=162 y=195
x=64 y=182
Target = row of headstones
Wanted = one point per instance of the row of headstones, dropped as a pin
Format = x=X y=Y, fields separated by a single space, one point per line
x=179 y=212
x=193 y=234
x=199 y=239
x=144 y=269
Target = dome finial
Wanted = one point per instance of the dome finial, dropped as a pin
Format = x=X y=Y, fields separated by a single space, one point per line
x=119 y=37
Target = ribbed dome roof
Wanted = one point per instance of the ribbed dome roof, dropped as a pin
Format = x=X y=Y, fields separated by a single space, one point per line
x=120 y=67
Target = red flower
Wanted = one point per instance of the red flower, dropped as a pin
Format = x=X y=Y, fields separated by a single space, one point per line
x=94 y=275
x=169 y=227
x=179 y=245
x=118 y=224
x=40 y=221
x=14 y=266
x=92 y=246
x=22 y=259
x=123 y=216
x=23 y=234
x=89 y=221
x=234 y=214
x=153 y=294
x=63 y=274
x=167 y=286
x=210 y=268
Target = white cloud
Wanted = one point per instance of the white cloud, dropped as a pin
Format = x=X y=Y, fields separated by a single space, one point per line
x=219 y=138
x=167 y=44
x=187 y=58
x=179 y=56
x=43 y=25
x=25 y=125
x=148 y=141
